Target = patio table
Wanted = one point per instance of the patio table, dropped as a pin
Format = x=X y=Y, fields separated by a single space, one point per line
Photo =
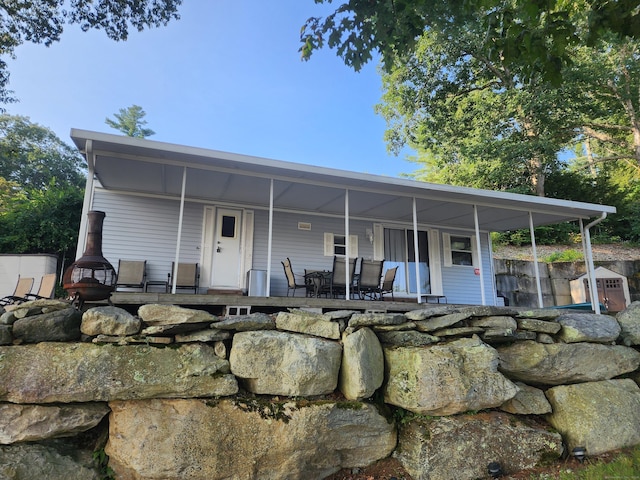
x=318 y=281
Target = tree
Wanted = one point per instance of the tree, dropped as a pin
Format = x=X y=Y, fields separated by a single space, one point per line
x=130 y=122
x=533 y=36
x=43 y=221
x=608 y=78
x=41 y=189
x=473 y=120
x=32 y=156
x=42 y=21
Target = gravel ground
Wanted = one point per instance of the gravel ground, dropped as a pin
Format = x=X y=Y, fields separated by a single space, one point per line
x=605 y=252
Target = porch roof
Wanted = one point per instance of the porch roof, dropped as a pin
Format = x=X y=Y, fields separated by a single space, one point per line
x=150 y=167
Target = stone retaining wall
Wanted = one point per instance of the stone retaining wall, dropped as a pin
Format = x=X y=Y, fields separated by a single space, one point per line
x=516 y=280
x=175 y=393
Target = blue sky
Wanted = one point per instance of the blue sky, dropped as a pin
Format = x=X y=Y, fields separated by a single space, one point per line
x=227 y=76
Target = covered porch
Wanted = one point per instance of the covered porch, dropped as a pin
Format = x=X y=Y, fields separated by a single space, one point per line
x=150 y=170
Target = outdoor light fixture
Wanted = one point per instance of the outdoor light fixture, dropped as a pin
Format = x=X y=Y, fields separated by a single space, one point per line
x=369 y=234
x=495 y=470
x=579 y=453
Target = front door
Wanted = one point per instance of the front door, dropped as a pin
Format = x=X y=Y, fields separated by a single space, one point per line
x=226 y=249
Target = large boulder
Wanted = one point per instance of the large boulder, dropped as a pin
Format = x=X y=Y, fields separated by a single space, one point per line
x=538 y=326
x=528 y=401
x=557 y=364
x=56 y=326
x=281 y=363
x=588 y=327
x=245 y=323
x=109 y=321
x=28 y=423
x=84 y=372
x=629 y=321
x=200 y=440
x=157 y=314
x=362 y=370
x=600 y=416
x=462 y=446
x=29 y=461
x=309 y=323
x=6 y=338
x=445 y=379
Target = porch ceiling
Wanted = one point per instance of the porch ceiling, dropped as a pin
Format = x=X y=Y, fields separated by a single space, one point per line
x=150 y=167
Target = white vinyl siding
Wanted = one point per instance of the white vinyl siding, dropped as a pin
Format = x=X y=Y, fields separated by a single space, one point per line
x=145 y=228
x=461 y=284
x=305 y=248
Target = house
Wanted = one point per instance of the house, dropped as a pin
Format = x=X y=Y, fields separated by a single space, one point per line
x=233 y=214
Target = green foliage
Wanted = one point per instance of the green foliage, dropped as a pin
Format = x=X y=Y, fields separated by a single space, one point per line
x=534 y=37
x=130 y=122
x=32 y=156
x=43 y=221
x=471 y=119
x=43 y=21
x=564 y=256
x=101 y=460
x=624 y=465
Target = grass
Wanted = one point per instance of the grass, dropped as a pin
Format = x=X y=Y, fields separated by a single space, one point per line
x=564 y=256
x=625 y=465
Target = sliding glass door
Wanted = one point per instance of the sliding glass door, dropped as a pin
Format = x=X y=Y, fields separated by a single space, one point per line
x=399 y=250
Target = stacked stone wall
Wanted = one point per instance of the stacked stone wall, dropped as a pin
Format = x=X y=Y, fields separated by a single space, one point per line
x=516 y=280
x=176 y=393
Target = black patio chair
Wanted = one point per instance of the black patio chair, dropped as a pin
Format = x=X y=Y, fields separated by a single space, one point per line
x=369 y=279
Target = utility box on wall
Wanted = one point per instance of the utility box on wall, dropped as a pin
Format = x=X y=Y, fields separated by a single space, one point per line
x=613 y=289
x=34 y=266
x=257 y=283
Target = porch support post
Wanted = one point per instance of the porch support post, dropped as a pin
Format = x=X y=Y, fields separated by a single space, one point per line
x=270 y=239
x=593 y=287
x=416 y=251
x=536 y=268
x=479 y=250
x=347 y=279
x=88 y=199
x=177 y=259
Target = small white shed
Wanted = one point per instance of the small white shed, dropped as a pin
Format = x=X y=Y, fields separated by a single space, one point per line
x=613 y=289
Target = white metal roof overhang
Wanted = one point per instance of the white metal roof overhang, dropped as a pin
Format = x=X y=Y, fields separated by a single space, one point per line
x=150 y=167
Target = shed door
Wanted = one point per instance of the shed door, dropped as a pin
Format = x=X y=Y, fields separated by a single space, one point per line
x=610 y=293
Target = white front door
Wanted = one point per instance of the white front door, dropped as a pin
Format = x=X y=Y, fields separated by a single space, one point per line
x=226 y=249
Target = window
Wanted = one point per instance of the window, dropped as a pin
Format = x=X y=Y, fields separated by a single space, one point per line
x=459 y=250
x=335 y=244
x=228 y=226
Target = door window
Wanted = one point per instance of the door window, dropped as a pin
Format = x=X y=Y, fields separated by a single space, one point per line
x=228 y=229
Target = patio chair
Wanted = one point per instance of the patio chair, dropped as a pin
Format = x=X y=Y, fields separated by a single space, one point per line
x=337 y=285
x=188 y=276
x=369 y=279
x=387 y=283
x=47 y=288
x=23 y=286
x=131 y=274
x=292 y=283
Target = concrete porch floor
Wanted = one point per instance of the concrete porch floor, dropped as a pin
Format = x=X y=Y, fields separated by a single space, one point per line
x=218 y=304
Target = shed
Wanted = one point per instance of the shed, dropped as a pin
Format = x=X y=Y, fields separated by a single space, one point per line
x=613 y=289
